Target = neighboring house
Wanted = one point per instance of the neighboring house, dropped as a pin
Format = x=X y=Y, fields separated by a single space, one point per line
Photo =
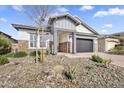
x=106 y=43
x=14 y=42
x=65 y=33
x=120 y=35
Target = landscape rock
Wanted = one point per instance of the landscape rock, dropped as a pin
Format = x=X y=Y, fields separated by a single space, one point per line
x=25 y=73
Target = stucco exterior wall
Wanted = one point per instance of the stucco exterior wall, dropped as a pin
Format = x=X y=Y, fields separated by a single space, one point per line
x=63 y=37
x=23 y=35
x=110 y=43
x=81 y=28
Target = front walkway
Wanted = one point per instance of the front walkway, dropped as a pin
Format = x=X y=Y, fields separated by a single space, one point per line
x=116 y=59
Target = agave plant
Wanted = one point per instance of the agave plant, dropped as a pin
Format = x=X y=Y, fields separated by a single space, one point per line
x=71 y=72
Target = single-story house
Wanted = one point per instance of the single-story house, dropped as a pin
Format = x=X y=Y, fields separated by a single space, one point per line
x=107 y=42
x=14 y=42
x=120 y=36
x=64 y=33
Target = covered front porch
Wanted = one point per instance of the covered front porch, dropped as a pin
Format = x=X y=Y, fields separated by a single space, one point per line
x=64 y=41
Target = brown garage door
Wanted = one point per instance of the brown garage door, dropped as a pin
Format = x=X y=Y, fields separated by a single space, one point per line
x=84 y=45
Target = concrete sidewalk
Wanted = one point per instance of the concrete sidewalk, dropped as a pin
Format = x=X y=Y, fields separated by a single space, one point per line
x=116 y=59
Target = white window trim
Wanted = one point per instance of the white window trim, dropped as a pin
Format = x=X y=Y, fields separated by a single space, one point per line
x=43 y=47
x=30 y=41
x=38 y=43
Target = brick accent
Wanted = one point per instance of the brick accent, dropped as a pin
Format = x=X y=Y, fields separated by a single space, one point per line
x=22 y=45
x=14 y=47
x=64 y=47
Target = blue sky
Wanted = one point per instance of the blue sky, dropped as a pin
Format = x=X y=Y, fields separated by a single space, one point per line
x=104 y=19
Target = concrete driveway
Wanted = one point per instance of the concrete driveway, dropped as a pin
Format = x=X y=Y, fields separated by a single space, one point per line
x=116 y=59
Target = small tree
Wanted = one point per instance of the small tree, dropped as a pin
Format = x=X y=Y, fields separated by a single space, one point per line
x=39 y=15
x=5 y=44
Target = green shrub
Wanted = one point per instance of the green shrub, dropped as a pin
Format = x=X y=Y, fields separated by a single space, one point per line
x=33 y=53
x=119 y=50
x=20 y=54
x=119 y=47
x=3 y=60
x=71 y=73
x=10 y=55
x=5 y=45
x=38 y=56
x=97 y=59
x=48 y=51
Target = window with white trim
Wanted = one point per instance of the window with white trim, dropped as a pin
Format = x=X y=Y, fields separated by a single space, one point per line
x=32 y=40
x=44 y=42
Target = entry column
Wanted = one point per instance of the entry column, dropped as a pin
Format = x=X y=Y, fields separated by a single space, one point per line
x=73 y=42
x=55 y=42
x=95 y=45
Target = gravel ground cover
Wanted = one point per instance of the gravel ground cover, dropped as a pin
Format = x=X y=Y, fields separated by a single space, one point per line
x=24 y=73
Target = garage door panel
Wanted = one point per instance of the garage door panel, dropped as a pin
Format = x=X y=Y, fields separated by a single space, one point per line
x=84 y=45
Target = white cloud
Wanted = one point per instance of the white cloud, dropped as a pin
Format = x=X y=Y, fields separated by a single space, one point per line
x=103 y=31
x=86 y=7
x=18 y=7
x=110 y=11
x=108 y=25
x=54 y=14
x=3 y=20
x=59 y=10
x=62 y=9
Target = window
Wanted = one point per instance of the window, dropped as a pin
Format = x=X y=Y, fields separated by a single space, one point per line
x=32 y=40
x=44 y=43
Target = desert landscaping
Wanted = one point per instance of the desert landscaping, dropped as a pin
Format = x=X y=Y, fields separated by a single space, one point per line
x=59 y=50
x=24 y=72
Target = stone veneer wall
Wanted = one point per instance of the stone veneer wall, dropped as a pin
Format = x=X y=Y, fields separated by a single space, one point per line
x=64 y=47
x=23 y=45
x=14 y=47
x=50 y=46
x=101 y=45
